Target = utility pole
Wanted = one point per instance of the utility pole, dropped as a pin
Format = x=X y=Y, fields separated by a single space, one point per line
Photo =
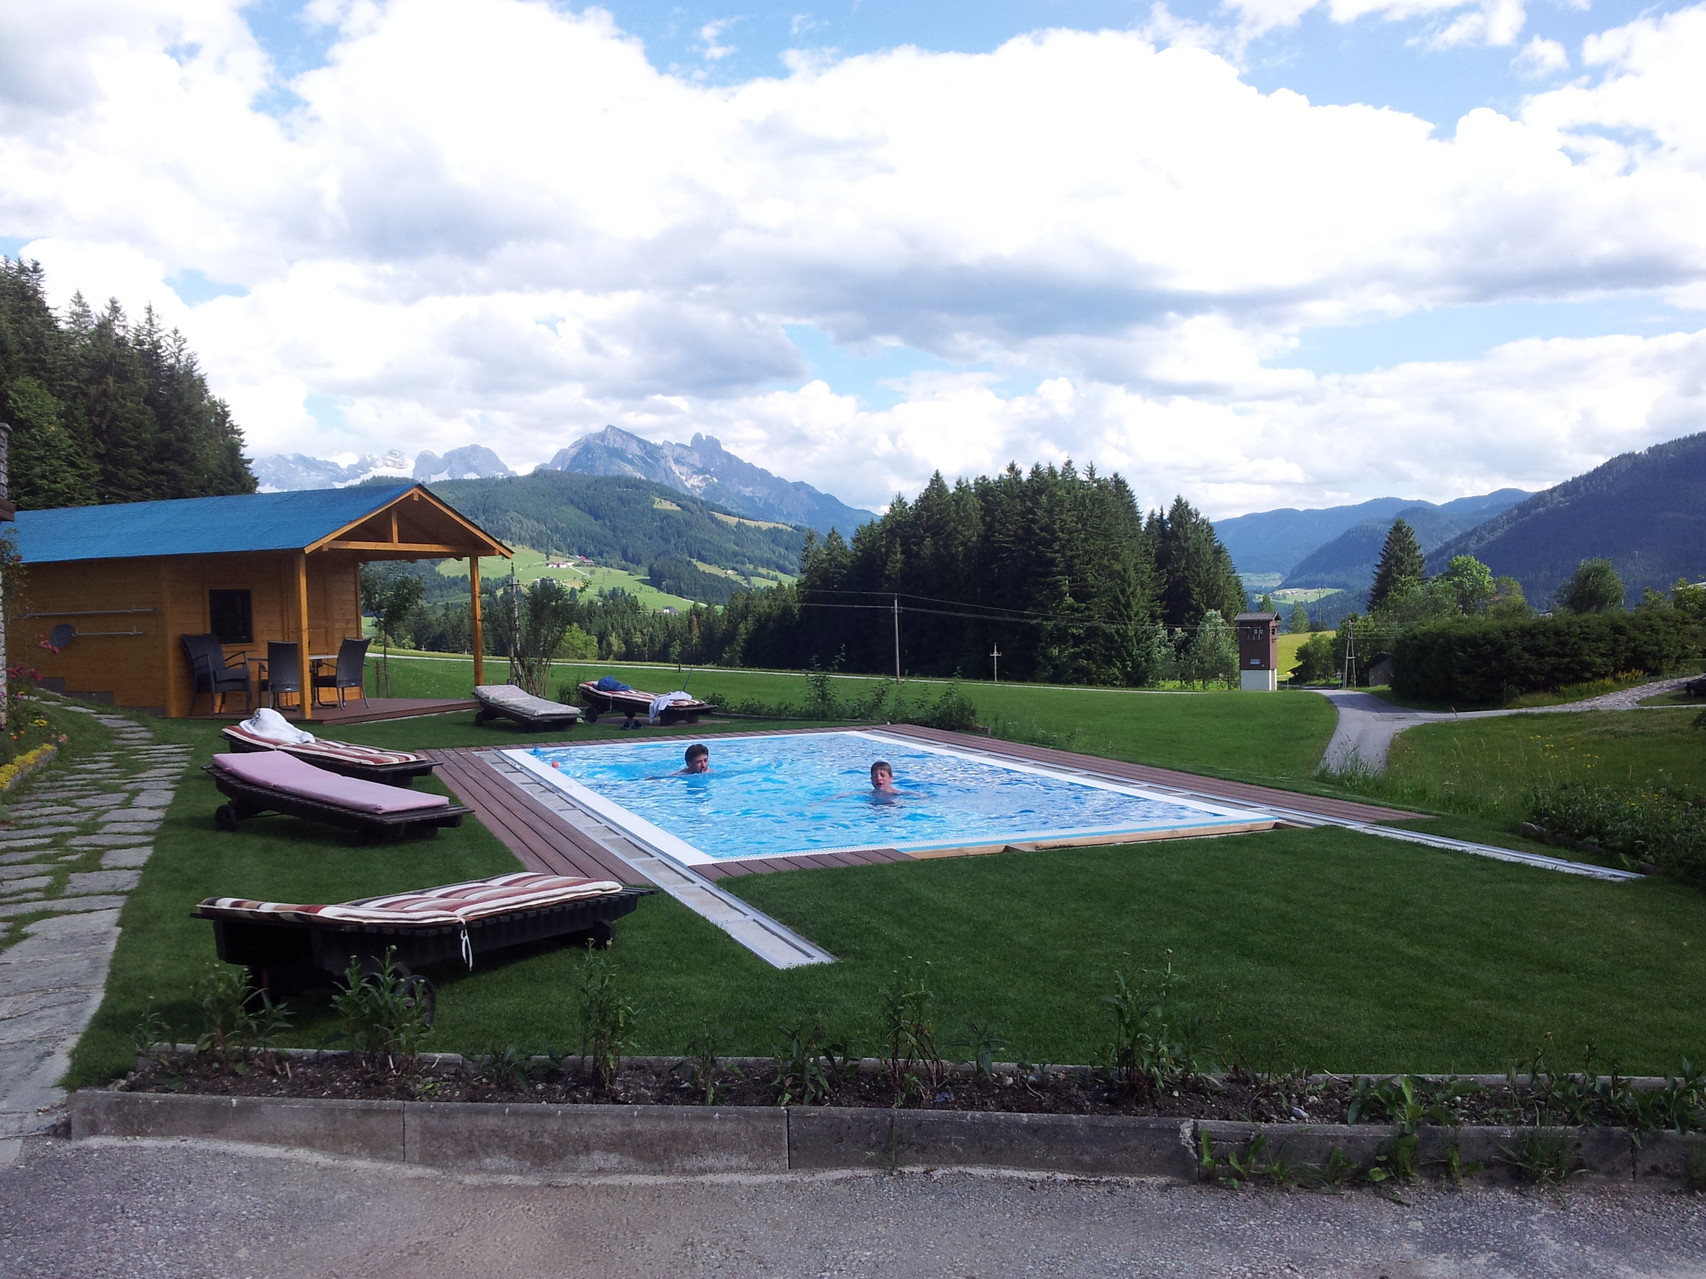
x=1349 y=678
x=995 y=659
x=897 y=639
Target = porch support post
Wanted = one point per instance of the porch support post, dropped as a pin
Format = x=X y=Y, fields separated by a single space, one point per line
x=302 y=633
x=477 y=636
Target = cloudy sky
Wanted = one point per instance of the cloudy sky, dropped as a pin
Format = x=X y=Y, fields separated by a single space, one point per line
x=1263 y=253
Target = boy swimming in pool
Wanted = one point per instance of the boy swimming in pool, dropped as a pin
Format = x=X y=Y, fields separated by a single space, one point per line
x=882 y=780
x=698 y=758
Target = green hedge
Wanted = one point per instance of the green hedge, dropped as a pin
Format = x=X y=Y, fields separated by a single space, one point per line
x=1484 y=661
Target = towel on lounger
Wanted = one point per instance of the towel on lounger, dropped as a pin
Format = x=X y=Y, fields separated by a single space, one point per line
x=268 y=723
x=663 y=701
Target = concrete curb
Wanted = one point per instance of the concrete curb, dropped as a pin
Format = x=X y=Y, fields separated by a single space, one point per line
x=701 y=1140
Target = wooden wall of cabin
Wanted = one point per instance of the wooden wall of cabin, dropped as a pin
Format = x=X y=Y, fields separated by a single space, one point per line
x=150 y=671
x=124 y=669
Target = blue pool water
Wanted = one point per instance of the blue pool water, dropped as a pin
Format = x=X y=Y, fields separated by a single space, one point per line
x=810 y=792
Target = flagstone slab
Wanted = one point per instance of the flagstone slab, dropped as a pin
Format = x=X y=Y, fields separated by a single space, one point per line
x=61 y=905
x=25 y=855
x=102 y=881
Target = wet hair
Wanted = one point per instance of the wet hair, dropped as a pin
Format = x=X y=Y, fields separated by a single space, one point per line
x=884 y=765
x=697 y=750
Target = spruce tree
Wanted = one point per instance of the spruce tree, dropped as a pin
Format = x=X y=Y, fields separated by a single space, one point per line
x=1401 y=560
x=103 y=410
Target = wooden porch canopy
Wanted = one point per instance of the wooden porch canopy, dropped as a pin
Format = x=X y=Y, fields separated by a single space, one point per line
x=414 y=525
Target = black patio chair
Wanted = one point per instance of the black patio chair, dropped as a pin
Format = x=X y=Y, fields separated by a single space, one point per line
x=346 y=672
x=216 y=675
x=284 y=673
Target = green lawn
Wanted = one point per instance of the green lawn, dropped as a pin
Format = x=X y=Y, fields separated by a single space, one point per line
x=1326 y=949
x=1486 y=767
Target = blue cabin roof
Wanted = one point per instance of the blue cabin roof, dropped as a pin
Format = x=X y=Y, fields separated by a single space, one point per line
x=289 y=521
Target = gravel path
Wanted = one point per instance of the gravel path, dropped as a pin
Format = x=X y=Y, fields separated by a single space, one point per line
x=1367 y=725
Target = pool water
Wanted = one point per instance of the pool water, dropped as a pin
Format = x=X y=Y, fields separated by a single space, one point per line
x=794 y=793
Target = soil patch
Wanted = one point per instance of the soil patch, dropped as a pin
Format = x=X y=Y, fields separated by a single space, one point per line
x=1236 y=1095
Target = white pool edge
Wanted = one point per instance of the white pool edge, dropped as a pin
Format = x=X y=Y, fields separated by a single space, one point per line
x=1215 y=816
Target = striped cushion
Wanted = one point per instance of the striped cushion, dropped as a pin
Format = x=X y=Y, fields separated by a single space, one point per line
x=280 y=772
x=426 y=907
x=320 y=748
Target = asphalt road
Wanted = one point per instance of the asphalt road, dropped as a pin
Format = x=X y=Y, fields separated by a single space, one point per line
x=120 y=1210
x=1367 y=724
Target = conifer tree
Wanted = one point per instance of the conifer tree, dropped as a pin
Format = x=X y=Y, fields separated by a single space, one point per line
x=1401 y=561
x=104 y=410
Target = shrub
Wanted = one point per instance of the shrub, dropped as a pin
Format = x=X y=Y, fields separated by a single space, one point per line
x=1662 y=826
x=1490 y=660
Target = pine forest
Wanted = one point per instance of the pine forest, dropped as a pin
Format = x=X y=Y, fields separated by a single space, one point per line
x=103 y=409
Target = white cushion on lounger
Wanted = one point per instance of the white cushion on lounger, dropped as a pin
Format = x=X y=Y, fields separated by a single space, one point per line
x=511 y=697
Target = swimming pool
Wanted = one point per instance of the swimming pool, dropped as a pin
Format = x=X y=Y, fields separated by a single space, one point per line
x=788 y=794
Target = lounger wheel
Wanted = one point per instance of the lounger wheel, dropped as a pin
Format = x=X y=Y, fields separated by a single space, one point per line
x=480 y=718
x=419 y=993
x=225 y=817
x=599 y=937
x=590 y=715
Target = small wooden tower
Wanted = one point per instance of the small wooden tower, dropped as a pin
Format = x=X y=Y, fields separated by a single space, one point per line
x=1258 y=651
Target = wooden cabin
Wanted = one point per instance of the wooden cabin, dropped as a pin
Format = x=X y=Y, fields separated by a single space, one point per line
x=120 y=585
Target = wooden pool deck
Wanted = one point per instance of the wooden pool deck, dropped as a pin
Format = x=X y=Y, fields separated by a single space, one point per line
x=542 y=840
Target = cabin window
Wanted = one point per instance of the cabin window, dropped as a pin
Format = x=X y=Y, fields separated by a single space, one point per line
x=228 y=614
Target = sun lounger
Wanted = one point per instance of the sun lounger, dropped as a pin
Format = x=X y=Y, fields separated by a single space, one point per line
x=635 y=704
x=507 y=701
x=348 y=759
x=289 y=947
x=273 y=782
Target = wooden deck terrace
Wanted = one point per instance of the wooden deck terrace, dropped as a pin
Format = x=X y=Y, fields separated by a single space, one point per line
x=543 y=841
x=354 y=712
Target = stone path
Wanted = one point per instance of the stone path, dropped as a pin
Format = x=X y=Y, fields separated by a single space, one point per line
x=75 y=846
x=1367 y=725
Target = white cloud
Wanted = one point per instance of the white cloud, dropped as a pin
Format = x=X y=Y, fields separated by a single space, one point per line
x=495 y=219
x=1497 y=22
x=1540 y=57
x=710 y=36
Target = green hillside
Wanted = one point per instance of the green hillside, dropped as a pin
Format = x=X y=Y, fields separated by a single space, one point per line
x=1645 y=512
x=622 y=522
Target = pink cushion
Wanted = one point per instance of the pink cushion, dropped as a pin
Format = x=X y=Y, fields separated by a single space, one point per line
x=286 y=773
x=448 y=904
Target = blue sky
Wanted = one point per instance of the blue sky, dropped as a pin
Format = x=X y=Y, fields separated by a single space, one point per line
x=1263 y=253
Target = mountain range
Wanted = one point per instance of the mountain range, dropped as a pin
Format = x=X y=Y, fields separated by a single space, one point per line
x=1328 y=546
x=702 y=469
x=1645 y=511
